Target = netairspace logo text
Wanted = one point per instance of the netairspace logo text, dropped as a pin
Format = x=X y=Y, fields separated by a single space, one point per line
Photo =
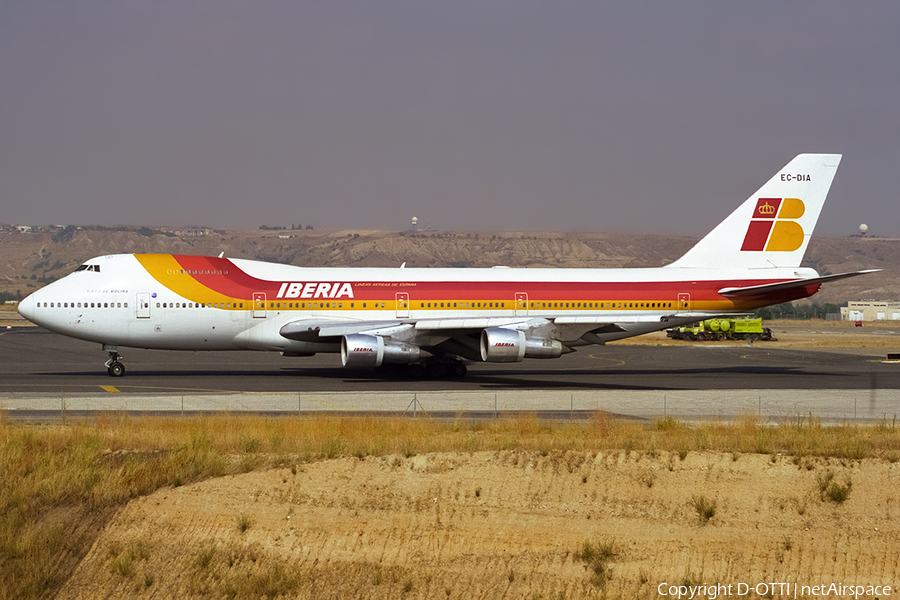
x=783 y=589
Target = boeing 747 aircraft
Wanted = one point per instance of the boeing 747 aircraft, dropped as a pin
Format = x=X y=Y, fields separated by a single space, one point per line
x=430 y=319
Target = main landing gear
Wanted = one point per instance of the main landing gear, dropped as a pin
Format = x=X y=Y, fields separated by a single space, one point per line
x=113 y=366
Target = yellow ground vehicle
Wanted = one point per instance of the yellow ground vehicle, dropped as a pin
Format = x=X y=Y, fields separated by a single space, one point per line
x=723 y=329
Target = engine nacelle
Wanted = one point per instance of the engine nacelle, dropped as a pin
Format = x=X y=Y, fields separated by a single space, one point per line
x=502 y=345
x=360 y=350
x=544 y=348
x=511 y=345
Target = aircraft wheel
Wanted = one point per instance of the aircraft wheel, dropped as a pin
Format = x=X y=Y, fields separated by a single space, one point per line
x=416 y=371
x=116 y=369
x=436 y=369
x=458 y=369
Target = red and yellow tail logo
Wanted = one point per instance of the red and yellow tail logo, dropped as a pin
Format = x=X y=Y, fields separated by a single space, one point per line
x=773 y=227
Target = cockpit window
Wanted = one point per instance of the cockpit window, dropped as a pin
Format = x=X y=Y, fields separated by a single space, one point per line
x=94 y=268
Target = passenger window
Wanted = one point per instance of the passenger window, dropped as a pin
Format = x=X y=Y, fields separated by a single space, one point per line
x=126 y=305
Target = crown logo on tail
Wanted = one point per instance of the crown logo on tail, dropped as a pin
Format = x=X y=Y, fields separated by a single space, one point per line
x=767 y=210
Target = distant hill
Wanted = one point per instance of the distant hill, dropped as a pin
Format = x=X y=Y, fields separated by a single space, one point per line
x=30 y=260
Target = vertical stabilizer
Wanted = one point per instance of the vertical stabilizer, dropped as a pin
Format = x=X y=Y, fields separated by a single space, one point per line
x=772 y=228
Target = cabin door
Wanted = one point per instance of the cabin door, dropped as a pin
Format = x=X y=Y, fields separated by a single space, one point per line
x=521 y=304
x=402 y=305
x=143 y=305
x=259 y=305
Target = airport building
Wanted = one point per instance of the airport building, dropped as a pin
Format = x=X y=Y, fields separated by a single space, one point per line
x=870 y=310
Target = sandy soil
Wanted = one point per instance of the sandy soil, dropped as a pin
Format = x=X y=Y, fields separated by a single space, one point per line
x=501 y=525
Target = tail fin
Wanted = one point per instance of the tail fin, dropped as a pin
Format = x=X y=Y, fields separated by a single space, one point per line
x=772 y=228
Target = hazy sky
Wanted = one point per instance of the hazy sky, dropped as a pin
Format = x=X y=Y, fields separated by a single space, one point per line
x=538 y=115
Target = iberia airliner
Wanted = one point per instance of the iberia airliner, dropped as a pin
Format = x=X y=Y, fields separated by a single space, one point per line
x=430 y=319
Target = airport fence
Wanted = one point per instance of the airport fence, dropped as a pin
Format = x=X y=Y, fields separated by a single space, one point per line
x=776 y=406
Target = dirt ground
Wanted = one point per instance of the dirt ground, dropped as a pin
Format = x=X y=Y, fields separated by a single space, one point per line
x=503 y=525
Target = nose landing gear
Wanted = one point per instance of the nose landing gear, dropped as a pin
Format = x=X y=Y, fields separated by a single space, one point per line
x=113 y=366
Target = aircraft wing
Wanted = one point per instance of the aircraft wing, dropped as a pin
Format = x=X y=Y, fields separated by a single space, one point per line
x=310 y=330
x=761 y=290
x=313 y=330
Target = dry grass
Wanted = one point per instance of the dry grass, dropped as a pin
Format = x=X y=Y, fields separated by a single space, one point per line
x=61 y=484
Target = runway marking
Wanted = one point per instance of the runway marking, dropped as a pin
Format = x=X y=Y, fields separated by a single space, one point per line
x=617 y=361
x=109 y=388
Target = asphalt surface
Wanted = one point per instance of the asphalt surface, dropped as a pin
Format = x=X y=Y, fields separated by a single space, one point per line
x=36 y=361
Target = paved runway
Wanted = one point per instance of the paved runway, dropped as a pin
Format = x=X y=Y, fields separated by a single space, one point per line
x=42 y=371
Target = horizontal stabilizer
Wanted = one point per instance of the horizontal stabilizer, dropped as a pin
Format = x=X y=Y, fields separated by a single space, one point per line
x=761 y=290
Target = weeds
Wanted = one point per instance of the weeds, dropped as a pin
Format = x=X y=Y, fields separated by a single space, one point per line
x=706 y=508
x=597 y=558
x=244 y=522
x=839 y=493
x=831 y=490
x=205 y=556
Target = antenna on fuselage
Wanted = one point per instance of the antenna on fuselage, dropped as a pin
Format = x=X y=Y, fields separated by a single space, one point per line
x=221 y=254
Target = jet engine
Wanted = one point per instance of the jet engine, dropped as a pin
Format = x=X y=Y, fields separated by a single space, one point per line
x=361 y=350
x=512 y=345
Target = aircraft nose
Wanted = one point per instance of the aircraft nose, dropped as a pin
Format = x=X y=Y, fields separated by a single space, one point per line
x=26 y=308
